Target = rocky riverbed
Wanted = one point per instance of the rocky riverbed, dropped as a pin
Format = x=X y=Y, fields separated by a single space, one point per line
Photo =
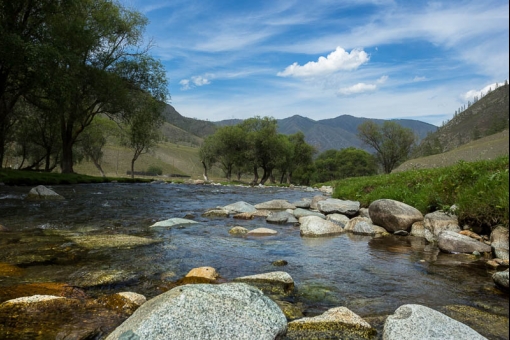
x=103 y=249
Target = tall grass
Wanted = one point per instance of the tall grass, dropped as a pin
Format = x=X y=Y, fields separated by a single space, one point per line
x=478 y=189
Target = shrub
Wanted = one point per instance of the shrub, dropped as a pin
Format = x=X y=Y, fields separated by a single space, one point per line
x=156 y=170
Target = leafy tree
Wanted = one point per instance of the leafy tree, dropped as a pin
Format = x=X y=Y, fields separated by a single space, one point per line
x=207 y=155
x=300 y=154
x=23 y=39
x=143 y=128
x=392 y=142
x=94 y=138
x=96 y=65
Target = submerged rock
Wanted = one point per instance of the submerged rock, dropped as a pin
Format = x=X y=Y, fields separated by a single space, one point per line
x=204 y=272
x=41 y=192
x=336 y=323
x=420 y=322
x=216 y=213
x=279 y=217
x=238 y=231
x=111 y=241
x=226 y=311
x=486 y=323
x=272 y=283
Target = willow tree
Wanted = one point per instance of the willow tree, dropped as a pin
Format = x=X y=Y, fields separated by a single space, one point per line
x=391 y=141
x=98 y=64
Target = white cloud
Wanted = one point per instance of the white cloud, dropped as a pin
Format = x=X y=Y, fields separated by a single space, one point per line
x=418 y=79
x=382 y=80
x=335 y=61
x=469 y=95
x=357 y=89
x=187 y=84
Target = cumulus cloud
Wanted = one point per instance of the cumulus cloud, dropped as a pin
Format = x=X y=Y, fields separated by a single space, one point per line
x=469 y=95
x=361 y=87
x=187 y=84
x=357 y=89
x=337 y=60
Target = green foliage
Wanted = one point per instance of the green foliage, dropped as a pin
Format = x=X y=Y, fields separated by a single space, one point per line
x=348 y=162
x=391 y=142
x=478 y=189
x=153 y=169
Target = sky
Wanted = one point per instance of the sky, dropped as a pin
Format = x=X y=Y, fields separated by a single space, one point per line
x=321 y=59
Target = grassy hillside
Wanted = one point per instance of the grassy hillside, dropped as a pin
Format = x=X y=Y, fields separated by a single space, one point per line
x=486 y=148
x=478 y=189
x=170 y=157
x=487 y=116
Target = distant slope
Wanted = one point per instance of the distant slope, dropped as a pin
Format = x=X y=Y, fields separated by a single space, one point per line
x=336 y=133
x=485 y=117
x=196 y=127
x=485 y=148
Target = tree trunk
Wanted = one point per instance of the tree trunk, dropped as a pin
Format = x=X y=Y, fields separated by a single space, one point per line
x=239 y=176
x=289 y=178
x=265 y=176
x=98 y=166
x=133 y=167
x=271 y=178
x=205 y=172
x=255 y=176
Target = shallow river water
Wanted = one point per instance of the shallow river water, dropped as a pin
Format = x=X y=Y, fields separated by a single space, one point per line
x=370 y=276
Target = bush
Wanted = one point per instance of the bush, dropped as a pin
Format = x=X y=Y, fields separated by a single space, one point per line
x=156 y=170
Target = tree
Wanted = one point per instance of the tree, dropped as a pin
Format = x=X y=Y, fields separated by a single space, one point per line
x=97 y=64
x=94 y=138
x=301 y=155
x=23 y=39
x=143 y=127
x=392 y=142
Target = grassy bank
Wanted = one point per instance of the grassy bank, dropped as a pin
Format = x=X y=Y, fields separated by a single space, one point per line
x=478 y=189
x=18 y=177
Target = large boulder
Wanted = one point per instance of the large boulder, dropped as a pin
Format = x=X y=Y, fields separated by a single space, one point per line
x=41 y=192
x=314 y=226
x=240 y=207
x=452 y=242
x=437 y=222
x=272 y=283
x=275 y=205
x=501 y=279
x=336 y=206
x=410 y=322
x=304 y=203
x=335 y=323
x=499 y=242
x=201 y=311
x=393 y=215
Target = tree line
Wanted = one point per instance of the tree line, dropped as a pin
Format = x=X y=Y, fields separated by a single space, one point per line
x=68 y=69
x=255 y=147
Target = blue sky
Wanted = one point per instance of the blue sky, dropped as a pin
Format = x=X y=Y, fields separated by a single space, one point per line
x=325 y=58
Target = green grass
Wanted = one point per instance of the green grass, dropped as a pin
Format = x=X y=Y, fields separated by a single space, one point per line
x=19 y=177
x=478 y=189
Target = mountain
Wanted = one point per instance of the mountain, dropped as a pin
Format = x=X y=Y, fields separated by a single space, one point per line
x=487 y=116
x=184 y=130
x=336 y=133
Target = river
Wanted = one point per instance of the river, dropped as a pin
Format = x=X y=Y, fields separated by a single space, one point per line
x=370 y=276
